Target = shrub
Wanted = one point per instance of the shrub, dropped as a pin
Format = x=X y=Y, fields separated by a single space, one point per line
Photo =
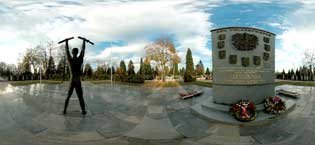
x=188 y=77
x=137 y=78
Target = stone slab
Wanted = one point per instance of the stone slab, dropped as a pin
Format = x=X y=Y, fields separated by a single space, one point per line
x=187 y=124
x=154 y=129
x=229 y=94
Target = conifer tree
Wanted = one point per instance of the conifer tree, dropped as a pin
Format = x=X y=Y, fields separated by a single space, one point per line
x=51 y=69
x=188 y=76
x=131 y=68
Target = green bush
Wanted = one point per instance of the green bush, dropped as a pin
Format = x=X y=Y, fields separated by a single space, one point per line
x=189 y=78
x=138 y=78
x=148 y=77
x=122 y=78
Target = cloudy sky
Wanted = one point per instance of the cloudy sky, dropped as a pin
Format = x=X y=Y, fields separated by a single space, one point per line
x=121 y=28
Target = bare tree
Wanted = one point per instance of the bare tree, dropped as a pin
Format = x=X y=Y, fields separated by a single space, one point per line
x=163 y=52
x=309 y=61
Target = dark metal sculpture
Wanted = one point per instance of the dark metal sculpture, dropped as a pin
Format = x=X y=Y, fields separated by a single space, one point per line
x=266 y=39
x=266 y=56
x=244 y=41
x=222 y=54
x=221 y=36
x=267 y=47
x=220 y=44
x=233 y=59
x=257 y=60
x=245 y=61
x=75 y=66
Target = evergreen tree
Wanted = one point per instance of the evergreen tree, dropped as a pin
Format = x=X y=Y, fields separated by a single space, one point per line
x=131 y=68
x=292 y=74
x=88 y=71
x=296 y=75
x=182 y=71
x=108 y=71
x=122 y=66
x=188 y=76
x=189 y=61
x=100 y=72
x=283 y=74
x=207 y=71
x=142 y=69
x=200 y=69
x=113 y=69
x=60 y=68
x=121 y=72
x=51 y=69
x=148 y=71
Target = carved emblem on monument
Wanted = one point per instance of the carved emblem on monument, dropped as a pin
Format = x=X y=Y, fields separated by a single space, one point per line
x=221 y=36
x=267 y=47
x=256 y=60
x=232 y=59
x=245 y=61
x=222 y=54
x=245 y=41
x=266 y=39
x=266 y=56
x=220 y=44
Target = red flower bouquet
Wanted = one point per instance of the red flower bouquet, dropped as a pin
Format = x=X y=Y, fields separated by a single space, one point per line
x=274 y=105
x=244 y=111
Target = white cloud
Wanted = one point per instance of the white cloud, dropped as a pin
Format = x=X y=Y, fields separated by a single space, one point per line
x=133 y=22
x=297 y=38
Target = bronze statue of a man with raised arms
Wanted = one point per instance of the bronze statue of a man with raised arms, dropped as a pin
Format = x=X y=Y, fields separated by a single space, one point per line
x=75 y=63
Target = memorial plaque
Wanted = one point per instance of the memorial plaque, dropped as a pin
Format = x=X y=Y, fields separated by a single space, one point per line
x=266 y=39
x=256 y=60
x=267 y=47
x=245 y=61
x=266 y=56
x=220 y=44
x=233 y=59
x=253 y=76
x=221 y=36
x=222 y=54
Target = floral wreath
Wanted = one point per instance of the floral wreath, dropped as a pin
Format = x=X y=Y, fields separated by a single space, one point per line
x=244 y=111
x=274 y=105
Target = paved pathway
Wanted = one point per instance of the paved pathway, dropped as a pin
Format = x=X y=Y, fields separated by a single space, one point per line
x=127 y=115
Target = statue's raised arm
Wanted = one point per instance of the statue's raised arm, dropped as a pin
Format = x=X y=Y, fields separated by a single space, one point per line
x=82 y=50
x=83 y=45
x=67 y=47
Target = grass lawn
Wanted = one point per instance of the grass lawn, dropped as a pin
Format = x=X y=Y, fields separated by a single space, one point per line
x=114 y=82
x=156 y=84
x=21 y=83
x=297 y=83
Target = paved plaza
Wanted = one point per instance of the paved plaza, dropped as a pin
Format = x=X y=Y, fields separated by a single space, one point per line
x=131 y=115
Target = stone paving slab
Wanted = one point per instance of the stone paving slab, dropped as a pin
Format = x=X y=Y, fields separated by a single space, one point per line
x=187 y=124
x=154 y=129
x=114 y=127
x=118 y=112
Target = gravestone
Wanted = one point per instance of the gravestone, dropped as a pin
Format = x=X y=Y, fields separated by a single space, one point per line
x=243 y=61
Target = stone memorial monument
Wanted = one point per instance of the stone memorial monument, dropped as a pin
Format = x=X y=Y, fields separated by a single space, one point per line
x=243 y=61
x=243 y=65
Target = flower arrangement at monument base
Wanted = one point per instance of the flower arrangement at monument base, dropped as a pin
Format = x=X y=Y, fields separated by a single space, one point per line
x=244 y=111
x=274 y=105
